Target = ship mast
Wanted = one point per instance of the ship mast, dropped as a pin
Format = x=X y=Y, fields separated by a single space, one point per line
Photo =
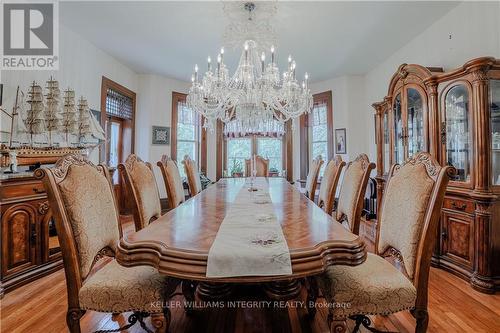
x=14 y=114
x=35 y=118
x=70 y=117
x=53 y=118
x=84 y=118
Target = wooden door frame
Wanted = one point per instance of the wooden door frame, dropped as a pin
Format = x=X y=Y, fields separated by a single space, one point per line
x=110 y=84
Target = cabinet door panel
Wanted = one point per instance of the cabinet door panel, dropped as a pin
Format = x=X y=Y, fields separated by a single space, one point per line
x=18 y=248
x=458 y=133
x=415 y=121
x=458 y=239
x=398 y=130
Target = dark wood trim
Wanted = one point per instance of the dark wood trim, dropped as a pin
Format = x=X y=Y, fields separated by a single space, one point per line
x=288 y=146
x=304 y=145
x=324 y=97
x=221 y=150
x=176 y=98
x=105 y=85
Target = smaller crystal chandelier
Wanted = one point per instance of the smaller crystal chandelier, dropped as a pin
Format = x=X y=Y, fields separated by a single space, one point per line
x=255 y=96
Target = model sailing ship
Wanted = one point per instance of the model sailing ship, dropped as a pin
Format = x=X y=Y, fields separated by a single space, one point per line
x=63 y=128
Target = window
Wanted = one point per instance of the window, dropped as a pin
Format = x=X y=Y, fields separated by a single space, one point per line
x=188 y=135
x=237 y=151
x=267 y=141
x=316 y=133
x=118 y=104
x=271 y=149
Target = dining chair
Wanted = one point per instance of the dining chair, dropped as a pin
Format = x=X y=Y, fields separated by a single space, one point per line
x=261 y=167
x=172 y=180
x=86 y=216
x=193 y=175
x=140 y=183
x=329 y=183
x=395 y=278
x=352 y=192
x=312 y=177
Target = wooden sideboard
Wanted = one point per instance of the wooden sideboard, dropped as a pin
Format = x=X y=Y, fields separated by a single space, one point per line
x=30 y=248
x=456 y=117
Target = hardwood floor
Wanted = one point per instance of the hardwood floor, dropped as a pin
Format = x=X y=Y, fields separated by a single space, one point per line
x=453 y=307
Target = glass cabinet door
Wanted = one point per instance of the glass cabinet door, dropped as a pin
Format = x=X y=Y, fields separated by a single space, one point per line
x=495 y=130
x=386 y=143
x=415 y=121
x=398 y=131
x=458 y=147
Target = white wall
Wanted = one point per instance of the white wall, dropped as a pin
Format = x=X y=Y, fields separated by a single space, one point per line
x=474 y=28
x=81 y=68
x=154 y=107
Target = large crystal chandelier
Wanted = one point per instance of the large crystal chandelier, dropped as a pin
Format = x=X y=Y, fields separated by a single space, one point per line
x=256 y=95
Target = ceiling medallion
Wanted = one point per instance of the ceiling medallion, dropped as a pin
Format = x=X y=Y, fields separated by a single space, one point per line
x=256 y=95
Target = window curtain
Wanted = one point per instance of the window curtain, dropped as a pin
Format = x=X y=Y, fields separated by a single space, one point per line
x=318 y=114
x=187 y=116
x=270 y=129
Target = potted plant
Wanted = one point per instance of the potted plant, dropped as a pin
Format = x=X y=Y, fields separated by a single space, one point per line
x=273 y=172
x=236 y=169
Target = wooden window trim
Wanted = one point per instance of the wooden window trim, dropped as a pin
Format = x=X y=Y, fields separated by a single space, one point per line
x=287 y=148
x=181 y=97
x=129 y=124
x=304 y=132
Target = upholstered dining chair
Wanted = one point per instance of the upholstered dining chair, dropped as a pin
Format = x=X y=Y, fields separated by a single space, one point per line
x=329 y=184
x=396 y=277
x=352 y=192
x=172 y=180
x=193 y=175
x=261 y=167
x=86 y=216
x=312 y=177
x=140 y=184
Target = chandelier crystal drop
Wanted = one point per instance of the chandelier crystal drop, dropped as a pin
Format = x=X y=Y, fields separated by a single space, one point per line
x=254 y=96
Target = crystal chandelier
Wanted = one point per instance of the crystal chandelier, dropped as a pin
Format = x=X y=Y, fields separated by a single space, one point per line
x=255 y=95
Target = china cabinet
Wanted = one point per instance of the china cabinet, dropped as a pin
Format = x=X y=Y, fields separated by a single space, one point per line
x=455 y=116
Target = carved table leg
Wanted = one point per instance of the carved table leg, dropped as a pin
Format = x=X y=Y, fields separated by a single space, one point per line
x=312 y=295
x=336 y=326
x=188 y=290
x=209 y=291
x=283 y=290
x=168 y=293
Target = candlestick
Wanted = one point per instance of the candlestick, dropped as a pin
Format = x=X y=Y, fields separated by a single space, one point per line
x=221 y=54
x=272 y=54
x=246 y=52
x=209 y=63
x=196 y=72
x=263 y=59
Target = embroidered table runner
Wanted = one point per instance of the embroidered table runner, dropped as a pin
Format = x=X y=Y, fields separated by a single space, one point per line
x=250 y=241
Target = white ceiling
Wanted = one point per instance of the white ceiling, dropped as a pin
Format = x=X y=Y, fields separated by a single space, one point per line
x=327 y=39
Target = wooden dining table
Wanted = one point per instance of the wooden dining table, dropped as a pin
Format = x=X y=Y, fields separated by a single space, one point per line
x=178 y=243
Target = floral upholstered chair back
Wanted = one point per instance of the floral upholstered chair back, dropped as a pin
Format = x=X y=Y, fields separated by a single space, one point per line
x=172 y=180
x=261 y=167
x=409 y=215
x=329 y=184
x=140 y=183
x=312 y=177
x=193 y=175
x=82 y=200
x=352 y=192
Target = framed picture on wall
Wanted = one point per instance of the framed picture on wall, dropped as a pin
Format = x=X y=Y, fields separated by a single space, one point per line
x=340 y=141
x=161 y=135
